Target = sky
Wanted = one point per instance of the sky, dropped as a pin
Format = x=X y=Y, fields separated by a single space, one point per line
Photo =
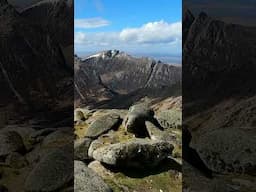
x=138 y=27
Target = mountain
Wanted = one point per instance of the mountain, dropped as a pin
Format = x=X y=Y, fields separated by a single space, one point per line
x=218 y=117
x=114 y=75
x=215 y=63
x=33 y=66
x=54 y=15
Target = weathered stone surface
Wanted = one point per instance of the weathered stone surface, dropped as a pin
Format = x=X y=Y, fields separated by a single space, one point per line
x=38 y=136
x=10 y=141
x=16 y=160
x=154 y=132
x=137 y=153
x=44 y=72
x=52 y=172
x=94 y=145
x=227 y=150
x=58 y=138
x=81 y=114
x=170 y=119
x=205 y=54
x=87 y=180
x=102 y=125
x=98 y=168
x=81 y=147
x=136 y=117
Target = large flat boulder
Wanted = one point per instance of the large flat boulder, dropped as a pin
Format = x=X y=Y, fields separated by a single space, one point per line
x=102 y=125
x=136 y=153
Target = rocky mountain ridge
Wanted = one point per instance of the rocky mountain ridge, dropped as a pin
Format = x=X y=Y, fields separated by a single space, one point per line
x=214 y=61
x=107 y=75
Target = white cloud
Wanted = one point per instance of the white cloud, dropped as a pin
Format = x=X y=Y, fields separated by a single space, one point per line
x=154 y=32
x=91 y=23
x=157 y=36
x=96 y=39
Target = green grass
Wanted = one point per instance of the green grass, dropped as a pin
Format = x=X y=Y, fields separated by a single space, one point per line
x=166 y=181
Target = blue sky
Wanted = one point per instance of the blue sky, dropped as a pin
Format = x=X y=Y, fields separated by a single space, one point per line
x=141 y=27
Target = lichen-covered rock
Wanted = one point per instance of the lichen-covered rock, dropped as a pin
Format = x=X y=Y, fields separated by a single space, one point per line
x=102 y=125
x=227 y=150
x=93 y=146
x=24 y=131
x=81 y=147
x=53 y=171
x=10 y=141
x=170 y=119
x=87 y=180
x=137 y=153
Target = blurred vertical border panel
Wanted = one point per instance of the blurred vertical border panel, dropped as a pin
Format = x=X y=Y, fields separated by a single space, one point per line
x=36 y=98
x=219 y=95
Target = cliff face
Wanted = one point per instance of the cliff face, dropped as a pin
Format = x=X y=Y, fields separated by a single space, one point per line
x=55 y=16
x=215 y=63
x=33 y=65
x=110 y=74
x=219 y=66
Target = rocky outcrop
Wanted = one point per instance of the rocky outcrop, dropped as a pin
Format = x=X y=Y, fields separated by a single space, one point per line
x=218 y=94
x=117 y=154
x=38 y=92
x=109 y=74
